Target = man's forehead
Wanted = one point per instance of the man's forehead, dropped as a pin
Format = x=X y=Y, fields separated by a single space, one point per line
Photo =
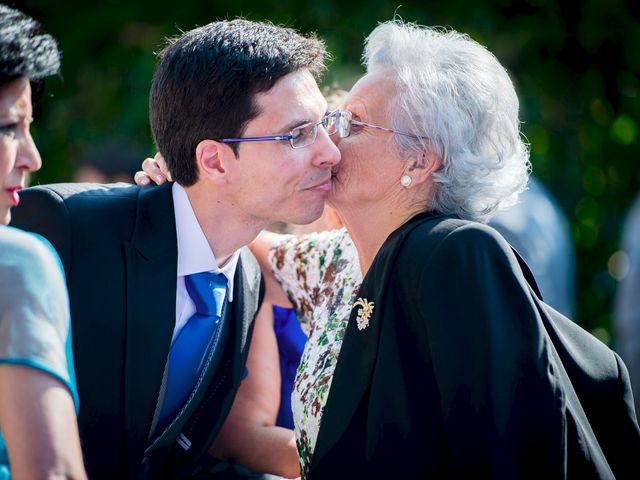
x=299 y=85
x=295 y=99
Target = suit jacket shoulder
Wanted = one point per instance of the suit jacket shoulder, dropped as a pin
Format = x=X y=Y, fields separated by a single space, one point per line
x=442 y=239
x=60 y=212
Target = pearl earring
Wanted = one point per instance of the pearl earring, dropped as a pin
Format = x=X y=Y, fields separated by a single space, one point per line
x=405 y=180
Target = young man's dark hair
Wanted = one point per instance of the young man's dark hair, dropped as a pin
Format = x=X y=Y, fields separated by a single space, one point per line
x=206 y=79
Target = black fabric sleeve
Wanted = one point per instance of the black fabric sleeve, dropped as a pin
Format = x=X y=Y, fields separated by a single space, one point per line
x=43 y=211
x=502 y=402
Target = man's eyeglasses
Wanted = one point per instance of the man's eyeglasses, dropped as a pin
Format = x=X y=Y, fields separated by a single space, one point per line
x=298 y=137
x=341 y=122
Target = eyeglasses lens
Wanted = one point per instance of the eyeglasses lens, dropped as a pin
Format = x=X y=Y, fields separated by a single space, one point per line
x=344 y=123
x=304 y=135
x=330 y=123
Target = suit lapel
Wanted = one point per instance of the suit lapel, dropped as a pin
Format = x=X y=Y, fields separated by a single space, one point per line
x=151 y=285
x=245 y=305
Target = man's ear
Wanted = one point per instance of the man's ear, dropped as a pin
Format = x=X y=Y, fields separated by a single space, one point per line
x=421 y=169
x=211 y=157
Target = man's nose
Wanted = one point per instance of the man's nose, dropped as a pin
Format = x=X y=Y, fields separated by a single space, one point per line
x=327 y=153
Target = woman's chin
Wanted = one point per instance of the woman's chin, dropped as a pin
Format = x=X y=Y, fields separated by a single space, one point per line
x=5 y=216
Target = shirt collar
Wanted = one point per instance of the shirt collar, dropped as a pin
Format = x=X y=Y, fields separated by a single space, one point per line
x=194 y=253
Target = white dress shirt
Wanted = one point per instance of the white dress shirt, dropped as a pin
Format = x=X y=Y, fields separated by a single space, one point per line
x=194 y=256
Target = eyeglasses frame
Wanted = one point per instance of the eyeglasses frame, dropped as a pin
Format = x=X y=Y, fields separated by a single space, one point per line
x=289 y=137
x=347 y=114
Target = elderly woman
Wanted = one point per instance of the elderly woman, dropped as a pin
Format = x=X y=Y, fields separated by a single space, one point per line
x=430 y=353
x=37 y=386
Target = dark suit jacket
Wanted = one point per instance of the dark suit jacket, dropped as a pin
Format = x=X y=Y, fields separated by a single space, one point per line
x=463 y=373
x=119 y=250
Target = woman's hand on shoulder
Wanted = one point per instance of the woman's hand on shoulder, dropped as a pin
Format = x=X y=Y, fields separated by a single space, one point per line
x=153 y=170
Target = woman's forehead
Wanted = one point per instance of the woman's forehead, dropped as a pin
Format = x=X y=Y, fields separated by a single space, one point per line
x=372 y=93
x=15 y=98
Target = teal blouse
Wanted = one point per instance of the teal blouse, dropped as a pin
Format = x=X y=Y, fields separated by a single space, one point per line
x=34 y=312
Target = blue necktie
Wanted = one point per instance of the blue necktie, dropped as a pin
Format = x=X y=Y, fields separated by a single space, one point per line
x=188 y=352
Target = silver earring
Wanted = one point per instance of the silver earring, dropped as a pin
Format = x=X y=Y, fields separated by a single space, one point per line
x=405 y=180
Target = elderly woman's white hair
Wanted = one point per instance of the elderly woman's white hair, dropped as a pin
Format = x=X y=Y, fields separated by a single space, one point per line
x=454 y=94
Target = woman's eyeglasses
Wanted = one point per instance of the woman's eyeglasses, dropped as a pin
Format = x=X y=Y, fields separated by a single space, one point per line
x=341 y=122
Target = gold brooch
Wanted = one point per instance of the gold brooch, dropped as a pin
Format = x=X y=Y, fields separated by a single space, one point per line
x=364 y=313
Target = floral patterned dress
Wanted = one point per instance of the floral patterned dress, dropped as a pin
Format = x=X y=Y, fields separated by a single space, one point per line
x=320 y=274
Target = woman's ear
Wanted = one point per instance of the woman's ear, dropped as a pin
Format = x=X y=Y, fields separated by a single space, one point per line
x=211 y=159
x=421 y=169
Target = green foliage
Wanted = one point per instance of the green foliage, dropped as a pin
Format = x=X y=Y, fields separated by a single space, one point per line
x=575 y=66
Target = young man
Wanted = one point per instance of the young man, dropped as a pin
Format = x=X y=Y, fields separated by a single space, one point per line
x=163 y=292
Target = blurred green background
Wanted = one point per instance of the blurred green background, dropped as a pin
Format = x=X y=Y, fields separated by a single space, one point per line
x=576 y=67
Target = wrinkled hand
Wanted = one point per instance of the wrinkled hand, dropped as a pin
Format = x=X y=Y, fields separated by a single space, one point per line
x=153 y=170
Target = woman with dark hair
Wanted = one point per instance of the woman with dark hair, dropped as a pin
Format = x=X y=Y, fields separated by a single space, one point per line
x=38 y=398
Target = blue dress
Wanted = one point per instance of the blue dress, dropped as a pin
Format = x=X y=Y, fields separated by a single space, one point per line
x=34 y=312
x=291 y=340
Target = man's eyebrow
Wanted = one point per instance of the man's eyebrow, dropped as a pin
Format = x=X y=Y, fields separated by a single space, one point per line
x=297 y=123
x=293 y=124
